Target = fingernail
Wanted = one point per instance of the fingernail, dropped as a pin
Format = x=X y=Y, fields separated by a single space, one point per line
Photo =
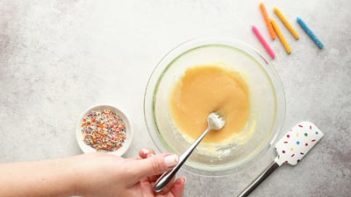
x=184 y=179
x=180 y=181
x=145 y=151
x=171 y=160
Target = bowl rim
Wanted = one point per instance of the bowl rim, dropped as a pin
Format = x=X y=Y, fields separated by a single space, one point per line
x=129 y=129
x=192 y=44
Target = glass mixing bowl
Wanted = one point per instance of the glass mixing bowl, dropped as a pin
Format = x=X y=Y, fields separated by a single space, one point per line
x=267 y=104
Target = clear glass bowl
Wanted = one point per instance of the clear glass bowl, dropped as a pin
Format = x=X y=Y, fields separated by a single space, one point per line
x=267 y=104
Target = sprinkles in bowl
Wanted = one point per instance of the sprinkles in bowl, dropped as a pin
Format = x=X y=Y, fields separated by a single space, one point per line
x=103 y=130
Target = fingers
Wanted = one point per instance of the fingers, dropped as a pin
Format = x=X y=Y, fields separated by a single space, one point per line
x=145 y=153
x=153 y=165
x=156 y=165
x=178 y=187
x=168 y=187
x=146 y=189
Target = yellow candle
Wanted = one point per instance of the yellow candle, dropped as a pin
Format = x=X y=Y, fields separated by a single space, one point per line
x=281 y=37
x=286 y=23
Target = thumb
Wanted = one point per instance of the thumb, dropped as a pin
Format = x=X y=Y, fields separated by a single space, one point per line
x=154 y=165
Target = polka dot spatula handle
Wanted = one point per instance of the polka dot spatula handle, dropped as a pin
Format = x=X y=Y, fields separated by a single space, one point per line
x=290 y=149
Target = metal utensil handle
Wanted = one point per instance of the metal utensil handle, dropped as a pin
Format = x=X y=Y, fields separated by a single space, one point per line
x=167 y=176
x=273 y=166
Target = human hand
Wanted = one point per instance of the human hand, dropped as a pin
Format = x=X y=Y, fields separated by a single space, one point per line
x=101 y=174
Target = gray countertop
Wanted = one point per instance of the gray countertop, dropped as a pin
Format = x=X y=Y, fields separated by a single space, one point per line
x=59 y=57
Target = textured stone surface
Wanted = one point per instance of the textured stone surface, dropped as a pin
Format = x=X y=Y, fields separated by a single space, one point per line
x=59 y=57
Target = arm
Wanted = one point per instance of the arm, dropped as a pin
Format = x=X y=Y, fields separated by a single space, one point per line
x=96 y=174
x=43 y=178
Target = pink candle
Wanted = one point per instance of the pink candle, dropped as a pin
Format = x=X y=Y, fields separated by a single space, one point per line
x=263 y=42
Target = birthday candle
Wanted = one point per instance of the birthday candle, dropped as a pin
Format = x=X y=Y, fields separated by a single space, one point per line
x=310 y=33
x=264 y=43
x=267 y=21
x=286 y=23
x=281 y=37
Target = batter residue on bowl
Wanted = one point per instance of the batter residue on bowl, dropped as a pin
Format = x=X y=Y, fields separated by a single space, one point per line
x=205 y=89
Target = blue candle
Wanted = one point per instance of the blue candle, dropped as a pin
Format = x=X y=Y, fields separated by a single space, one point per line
x=310 y=33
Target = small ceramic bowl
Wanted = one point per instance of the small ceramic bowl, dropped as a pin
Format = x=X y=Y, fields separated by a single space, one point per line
x=129 y=131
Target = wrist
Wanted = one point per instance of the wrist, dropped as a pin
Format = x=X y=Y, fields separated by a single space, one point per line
x=75 y=177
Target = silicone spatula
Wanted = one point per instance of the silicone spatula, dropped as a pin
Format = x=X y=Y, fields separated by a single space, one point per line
x=291 y=148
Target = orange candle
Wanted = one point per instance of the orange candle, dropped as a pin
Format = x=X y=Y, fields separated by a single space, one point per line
x=267 y=21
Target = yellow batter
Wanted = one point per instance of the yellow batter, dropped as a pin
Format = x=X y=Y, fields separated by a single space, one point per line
x=206 y=89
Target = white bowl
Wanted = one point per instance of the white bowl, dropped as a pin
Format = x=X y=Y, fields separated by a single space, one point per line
x=129 y=131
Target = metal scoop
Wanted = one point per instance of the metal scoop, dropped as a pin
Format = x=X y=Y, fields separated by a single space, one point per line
x=215 y=122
